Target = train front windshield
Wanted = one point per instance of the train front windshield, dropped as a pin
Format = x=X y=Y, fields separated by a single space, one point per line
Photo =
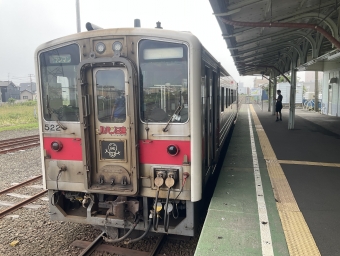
x=58 y=68
x=163 y=74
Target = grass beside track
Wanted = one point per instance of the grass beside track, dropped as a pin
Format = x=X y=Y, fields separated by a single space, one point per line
x=18 y=116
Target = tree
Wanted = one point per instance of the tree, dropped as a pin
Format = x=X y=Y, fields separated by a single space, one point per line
x=281 y=79
x=304 y=90
x=11 y=101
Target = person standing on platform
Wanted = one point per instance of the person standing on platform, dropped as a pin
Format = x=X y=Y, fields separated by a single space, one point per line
x=278 y=105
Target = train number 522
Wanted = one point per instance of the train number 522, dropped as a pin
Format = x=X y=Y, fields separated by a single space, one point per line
x=52 y=128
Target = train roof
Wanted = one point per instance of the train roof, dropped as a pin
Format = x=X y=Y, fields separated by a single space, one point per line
x=149 y=32
x=184 y=36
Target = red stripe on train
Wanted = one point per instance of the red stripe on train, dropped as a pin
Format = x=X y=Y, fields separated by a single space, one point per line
x=71 y=150
x=155 y=152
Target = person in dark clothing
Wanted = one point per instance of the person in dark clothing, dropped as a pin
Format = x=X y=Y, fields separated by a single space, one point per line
x=119 y=111
x=278 y=105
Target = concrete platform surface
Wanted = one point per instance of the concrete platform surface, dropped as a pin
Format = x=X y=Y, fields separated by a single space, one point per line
x=314 y=142
x=300 y=174
x=235 y=223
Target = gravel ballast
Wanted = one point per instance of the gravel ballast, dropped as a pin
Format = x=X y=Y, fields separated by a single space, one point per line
x=32 y=228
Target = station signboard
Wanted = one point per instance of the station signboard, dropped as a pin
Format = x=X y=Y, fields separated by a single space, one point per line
x=255 y=92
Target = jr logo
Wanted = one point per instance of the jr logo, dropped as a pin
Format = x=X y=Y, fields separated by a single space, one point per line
x=113 y=130
x=112 y=150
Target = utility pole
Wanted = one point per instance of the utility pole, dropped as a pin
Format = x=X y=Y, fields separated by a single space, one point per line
x=30 y=75
x=78 y=16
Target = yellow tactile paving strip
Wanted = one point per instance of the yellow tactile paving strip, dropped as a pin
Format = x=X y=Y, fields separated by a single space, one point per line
x=298 y=236
x=308 y=163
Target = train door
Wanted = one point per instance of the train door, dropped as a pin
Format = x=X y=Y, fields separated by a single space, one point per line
x=110 y=138
x=216 y=117
x=211 y=121
x=208 y=126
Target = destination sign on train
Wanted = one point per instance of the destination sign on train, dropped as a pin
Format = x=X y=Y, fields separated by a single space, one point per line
x=65 y=58
x=163 y=53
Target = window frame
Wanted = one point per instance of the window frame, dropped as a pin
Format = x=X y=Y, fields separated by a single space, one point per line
x=40 y=76
x=126 y=91
x=139 y=77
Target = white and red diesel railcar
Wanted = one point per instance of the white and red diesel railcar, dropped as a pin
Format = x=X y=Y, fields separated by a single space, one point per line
x=132 y=122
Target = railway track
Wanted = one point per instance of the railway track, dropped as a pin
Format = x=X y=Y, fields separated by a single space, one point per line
x=22 y=203
x=19 y=144
x=97 y=245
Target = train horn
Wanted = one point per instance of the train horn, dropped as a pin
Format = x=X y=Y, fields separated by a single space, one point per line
x=137 y=23
x=90 y=26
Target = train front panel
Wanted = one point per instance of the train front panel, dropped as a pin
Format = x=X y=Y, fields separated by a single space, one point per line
x=121 y=143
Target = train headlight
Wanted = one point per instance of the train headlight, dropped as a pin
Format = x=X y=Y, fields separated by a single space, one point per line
x=56 y=145
x=100 y=47
x=173 y=150
x=117 y=46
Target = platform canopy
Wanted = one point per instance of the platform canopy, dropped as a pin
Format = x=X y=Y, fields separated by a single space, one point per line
x=268 y=35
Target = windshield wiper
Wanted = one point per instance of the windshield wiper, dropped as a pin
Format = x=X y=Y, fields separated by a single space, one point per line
x=174 y=117
x=51 y=111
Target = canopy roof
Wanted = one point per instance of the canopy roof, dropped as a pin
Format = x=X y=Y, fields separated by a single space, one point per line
x=270 y=35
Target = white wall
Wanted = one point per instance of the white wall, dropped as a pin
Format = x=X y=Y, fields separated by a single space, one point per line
x=324 y=102
x=242 y=90
x=285 y=91
x=330 y=105
x=27 y=94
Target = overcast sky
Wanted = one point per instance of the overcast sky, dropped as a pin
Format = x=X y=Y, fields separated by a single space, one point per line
x=24 y=25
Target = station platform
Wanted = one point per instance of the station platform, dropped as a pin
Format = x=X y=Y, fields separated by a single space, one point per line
x=278 y=190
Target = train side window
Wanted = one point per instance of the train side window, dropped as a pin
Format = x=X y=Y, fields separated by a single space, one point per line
x=226 y=97
x=222 y=99
x=228 y=100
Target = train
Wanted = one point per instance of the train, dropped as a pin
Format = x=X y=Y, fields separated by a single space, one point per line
x=132 y=122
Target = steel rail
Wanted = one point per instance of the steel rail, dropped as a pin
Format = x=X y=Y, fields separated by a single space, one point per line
x=21 y=204
x=30 y=138
x=155 y=250
x=93 y=246
x=16 y=143
x=21 y=138
x=6 y=150
x=96 y=245
x=20 y=184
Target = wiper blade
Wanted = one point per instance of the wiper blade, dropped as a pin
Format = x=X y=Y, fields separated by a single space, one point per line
x=51 y=111
x=173 y=117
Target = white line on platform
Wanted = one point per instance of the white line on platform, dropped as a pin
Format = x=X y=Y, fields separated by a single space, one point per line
x=266 y=238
